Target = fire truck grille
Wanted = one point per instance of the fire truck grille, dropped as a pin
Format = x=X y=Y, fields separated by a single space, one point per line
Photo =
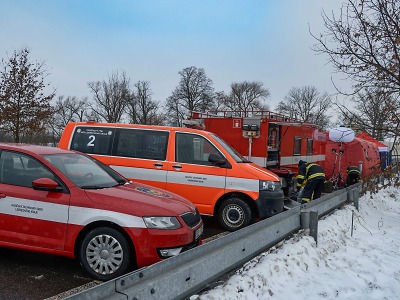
x=191 y=219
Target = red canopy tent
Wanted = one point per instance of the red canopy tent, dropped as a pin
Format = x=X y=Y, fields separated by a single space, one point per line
x=359 y=152
x=384 y=151
x=365 y=136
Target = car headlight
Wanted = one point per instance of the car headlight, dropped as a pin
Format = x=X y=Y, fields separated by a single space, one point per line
x=268 y=185
x=161 y=222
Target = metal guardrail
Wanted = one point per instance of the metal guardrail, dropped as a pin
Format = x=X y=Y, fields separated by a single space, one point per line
x=189 y=272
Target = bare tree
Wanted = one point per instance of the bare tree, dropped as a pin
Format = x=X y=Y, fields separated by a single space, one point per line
x=193 y=93
x=371 y=112
x=111 y=97
x=220 y=99
x=306 y=104
x=246 y=96
x=67 y=110
x=24 y=105
x=141 y=108
x=363 y=42
x=175 y=112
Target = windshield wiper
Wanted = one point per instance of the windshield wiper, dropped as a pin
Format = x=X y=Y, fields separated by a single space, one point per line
x=120 y=183
x=93 y=187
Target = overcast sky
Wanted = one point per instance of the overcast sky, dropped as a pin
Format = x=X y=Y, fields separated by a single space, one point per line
x=152 y=40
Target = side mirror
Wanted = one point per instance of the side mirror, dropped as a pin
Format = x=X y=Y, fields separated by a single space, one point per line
x=46 y=184
x=216 y=159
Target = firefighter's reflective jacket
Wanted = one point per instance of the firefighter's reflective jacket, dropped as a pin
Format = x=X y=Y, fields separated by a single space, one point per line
x=353 y=170
x=308 y=171
x=353 y=175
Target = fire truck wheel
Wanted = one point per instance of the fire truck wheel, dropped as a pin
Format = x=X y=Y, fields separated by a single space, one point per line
x=234 y=214
x=105 y=253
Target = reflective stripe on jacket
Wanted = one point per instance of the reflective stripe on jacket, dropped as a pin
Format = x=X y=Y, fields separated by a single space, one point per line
x=309 y=171
x=353 y=170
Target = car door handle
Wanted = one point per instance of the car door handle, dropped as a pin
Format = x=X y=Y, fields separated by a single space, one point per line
x=177 y=167
x=158 y=165
x=2 y=195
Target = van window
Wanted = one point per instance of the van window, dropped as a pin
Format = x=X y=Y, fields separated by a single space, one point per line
x=228 y=148
x=93 y=140
x=193 y=149
x=138 y=143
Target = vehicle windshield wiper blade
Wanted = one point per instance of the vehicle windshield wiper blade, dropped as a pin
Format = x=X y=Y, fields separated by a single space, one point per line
x=245 y=161
x=119 y=183
x=93 y=187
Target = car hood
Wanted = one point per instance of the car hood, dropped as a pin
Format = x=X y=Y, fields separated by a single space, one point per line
x=141 y=200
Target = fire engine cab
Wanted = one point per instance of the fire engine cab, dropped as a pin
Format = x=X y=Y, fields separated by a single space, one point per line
x=271 y=140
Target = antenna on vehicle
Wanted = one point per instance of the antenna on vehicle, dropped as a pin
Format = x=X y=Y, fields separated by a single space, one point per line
x=92 y=118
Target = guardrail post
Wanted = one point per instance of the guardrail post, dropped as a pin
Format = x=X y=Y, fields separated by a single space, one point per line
x=381 y=180
x=353 y=196
x=356 y=197
x=314 y=225
x=305 y=219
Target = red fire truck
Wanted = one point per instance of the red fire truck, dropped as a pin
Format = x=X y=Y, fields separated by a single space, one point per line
x=269 y=139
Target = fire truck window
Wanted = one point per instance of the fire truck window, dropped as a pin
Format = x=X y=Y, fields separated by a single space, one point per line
x=193 y=149
x=297 y=145
x=93 y=140
x=310 y=143
x=146 y=144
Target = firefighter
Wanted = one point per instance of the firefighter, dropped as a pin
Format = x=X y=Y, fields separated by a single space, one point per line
x=311 y=177
x=353 y=175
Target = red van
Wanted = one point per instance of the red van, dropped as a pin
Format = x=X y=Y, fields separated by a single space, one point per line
x=66 y=203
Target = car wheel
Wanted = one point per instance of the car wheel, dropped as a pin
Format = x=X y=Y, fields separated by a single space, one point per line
x=234 y=213
x=105 y=253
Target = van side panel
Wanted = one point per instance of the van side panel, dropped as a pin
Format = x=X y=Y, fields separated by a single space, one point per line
x=141 y=170
x=203 y=190
x=191 y=175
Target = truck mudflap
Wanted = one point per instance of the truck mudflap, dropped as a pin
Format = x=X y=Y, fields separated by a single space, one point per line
x=270 y=203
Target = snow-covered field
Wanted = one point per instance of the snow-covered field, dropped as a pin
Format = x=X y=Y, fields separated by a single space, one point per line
x=362 y=262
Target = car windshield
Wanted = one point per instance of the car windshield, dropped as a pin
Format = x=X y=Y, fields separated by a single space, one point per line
x=236 y=155
x=85 y=172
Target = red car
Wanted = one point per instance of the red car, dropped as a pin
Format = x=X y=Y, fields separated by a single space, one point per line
x=66 y=203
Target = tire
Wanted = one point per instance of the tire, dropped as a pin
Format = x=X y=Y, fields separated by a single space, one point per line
x=105 y=253
x=234 y=213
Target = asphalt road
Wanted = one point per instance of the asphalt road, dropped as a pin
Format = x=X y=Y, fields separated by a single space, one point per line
x=26 y=275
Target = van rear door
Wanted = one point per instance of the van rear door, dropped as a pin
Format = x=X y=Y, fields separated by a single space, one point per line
x=93 y=140
x=190 y=173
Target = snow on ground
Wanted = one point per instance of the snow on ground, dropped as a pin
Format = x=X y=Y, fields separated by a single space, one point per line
x=363 y=264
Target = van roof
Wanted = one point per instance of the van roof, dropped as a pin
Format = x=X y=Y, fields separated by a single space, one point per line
x=157 y=127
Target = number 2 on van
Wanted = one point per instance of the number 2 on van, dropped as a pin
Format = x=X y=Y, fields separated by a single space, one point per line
x=195 y=164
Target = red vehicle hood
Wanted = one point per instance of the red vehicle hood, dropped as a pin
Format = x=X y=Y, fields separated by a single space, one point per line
x=141 y=200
